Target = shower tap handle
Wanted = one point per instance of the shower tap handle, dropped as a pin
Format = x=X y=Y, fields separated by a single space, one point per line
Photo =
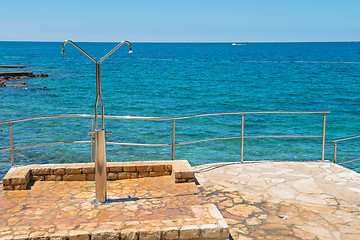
x=108 y=135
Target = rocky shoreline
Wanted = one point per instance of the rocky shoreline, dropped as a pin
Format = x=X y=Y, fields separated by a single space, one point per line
x=7 y=77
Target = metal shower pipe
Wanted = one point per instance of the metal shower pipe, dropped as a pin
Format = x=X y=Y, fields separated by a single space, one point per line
x=98 y=76
x=99 y=135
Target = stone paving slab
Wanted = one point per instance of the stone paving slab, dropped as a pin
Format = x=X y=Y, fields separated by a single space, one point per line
x=142 y=208
x=284 y=200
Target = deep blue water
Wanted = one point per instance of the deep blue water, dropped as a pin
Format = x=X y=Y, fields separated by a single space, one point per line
x=179 y=79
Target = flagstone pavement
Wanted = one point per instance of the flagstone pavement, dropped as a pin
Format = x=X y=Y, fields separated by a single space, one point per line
x=262 y=200
x=63 y=210
x=284 y=200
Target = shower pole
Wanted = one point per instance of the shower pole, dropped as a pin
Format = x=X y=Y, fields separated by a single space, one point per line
x=99 y=135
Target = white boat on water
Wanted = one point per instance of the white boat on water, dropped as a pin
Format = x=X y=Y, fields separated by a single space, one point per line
x=238 y=44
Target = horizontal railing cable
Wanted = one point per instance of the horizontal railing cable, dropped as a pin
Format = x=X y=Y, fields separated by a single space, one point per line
x=44 y=144
x=163 y=118
x=350 y=160
x=335 y=141
x=345 y=139
x=173 y=144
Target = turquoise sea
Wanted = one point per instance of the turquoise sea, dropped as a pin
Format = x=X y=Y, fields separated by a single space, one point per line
x=180 y=79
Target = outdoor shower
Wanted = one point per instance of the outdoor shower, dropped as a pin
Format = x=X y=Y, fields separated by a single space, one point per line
x=101 y=135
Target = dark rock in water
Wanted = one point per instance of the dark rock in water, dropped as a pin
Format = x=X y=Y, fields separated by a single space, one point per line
x=15 y=75
x=13 y=66
x=20 y=84
x=50 y=94
x=12 y=76
x=41 y=75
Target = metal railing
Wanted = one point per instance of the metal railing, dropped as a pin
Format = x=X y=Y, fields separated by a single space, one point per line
x=172 y=119
x=335 y=141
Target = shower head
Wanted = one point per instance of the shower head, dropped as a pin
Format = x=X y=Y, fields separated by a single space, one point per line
x=130 y=50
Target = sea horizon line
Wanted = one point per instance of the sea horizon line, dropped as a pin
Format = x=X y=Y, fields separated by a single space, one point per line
x=53 y=41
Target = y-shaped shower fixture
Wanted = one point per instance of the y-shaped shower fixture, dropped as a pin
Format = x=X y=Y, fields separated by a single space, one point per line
x=98 y=76
x=99 y=135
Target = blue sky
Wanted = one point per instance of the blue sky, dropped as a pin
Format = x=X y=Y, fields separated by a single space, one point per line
x=180 y=21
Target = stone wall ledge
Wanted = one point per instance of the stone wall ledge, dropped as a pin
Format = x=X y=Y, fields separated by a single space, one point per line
x=182 y=171
x=19 y=178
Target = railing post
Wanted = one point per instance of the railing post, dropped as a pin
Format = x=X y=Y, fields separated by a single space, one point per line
x=11 y=145
x=242 y=138
x=92 y=141
x=173 y=140
x=335 y=149
x=323 y=139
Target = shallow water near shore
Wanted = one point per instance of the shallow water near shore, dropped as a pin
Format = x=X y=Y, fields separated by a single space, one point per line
x=179 y=79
